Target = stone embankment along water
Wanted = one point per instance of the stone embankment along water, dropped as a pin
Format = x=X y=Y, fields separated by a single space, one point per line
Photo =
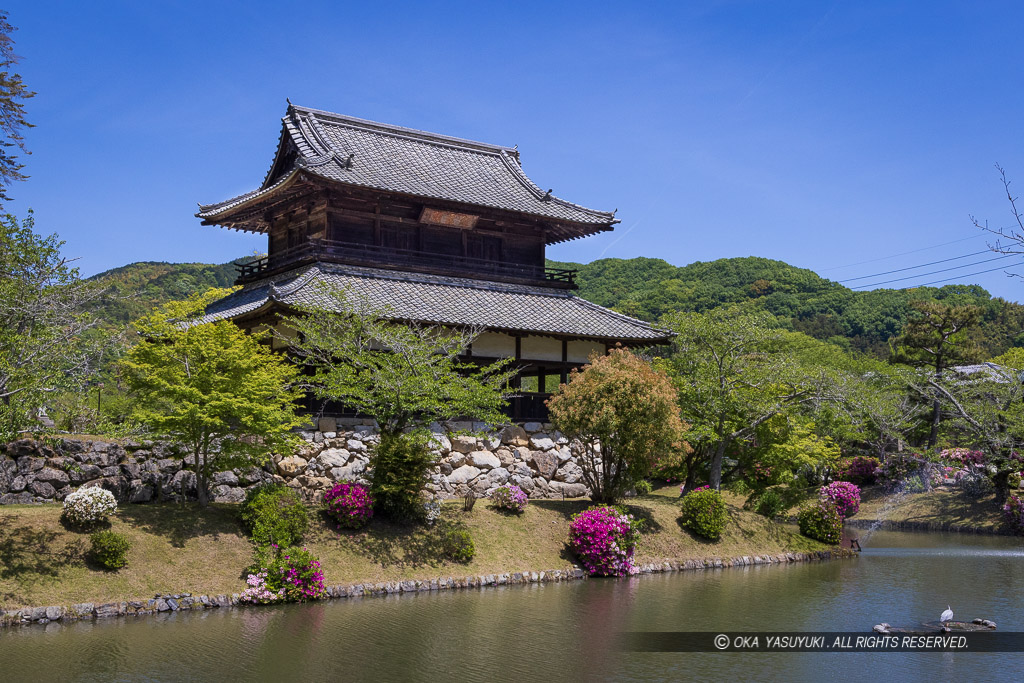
x=186 y=601
x=533 y=456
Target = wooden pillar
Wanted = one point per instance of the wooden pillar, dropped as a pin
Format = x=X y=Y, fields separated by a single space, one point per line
x=565 y=359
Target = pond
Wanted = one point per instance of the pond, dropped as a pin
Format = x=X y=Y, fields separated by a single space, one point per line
x=568 y=631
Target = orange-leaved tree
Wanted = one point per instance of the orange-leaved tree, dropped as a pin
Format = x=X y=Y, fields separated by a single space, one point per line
x=625 y=414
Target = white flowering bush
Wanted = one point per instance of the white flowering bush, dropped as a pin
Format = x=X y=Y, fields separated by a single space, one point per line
x=88 y=506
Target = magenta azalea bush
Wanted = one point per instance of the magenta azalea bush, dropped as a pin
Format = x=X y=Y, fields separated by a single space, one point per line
x=350 y=505
x=296 y=572
x=844 y=495
x=510 y=498
x=1013 y=513
x=859 y=470
x=604 y=539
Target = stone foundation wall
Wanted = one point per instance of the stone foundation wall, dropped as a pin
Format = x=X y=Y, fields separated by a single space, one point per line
x=533 y=456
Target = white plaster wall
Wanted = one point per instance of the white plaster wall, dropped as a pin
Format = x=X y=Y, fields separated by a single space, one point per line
x=541 y=348
x=579 y=351
x=494 y=345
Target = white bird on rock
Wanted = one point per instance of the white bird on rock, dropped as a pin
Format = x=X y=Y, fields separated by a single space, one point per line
x=947 y=615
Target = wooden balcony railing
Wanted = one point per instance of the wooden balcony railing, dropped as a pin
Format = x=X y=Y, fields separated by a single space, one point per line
x=405 y=259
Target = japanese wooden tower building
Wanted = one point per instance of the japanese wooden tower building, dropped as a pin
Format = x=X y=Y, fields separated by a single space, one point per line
x=436 y=230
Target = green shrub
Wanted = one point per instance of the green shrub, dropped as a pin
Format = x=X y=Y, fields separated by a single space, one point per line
x=704 y=513
x=1013 y=480
x=643 y=487
x=274 y=515
x=770 y=503
x=458 y=545
x=821 y=521
x=401 y=467
x=976 y=485
x=109 y=549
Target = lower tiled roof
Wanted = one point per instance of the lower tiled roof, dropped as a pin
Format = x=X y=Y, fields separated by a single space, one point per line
x=442 y=300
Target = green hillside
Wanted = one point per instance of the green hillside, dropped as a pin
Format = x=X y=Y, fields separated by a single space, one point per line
x=139 y=287
x=648 y=288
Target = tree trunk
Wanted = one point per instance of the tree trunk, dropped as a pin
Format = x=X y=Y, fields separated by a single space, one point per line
x=201 y=493
x=715 y=476
x=933 y=437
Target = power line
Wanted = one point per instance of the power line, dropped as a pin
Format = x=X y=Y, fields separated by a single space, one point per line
x=904 y=253
x=900 y=270
x=940 y=270
x=935 y=282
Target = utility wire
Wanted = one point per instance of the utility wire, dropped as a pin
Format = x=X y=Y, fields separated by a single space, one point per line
x=900 y=270
x=904 y=253
x=940 y=270
x=935 y=282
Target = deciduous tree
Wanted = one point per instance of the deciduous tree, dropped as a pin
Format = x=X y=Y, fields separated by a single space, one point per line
x=625 y=413
x=47 y=337
x=13 y=94
x=214 y=389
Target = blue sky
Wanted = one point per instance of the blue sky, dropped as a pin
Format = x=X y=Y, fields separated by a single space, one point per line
x=823 y=134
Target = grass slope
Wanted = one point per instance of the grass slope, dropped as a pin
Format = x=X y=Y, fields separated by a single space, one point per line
x=177 y=548
x=938 y=507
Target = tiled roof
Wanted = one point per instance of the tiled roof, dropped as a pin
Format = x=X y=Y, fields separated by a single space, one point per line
x=395 y=159
x=442 y=300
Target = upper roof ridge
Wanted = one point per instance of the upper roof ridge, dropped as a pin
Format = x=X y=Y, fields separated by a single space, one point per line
x=402 y=131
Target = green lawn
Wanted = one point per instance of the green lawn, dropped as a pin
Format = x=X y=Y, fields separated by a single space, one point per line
x=182 y=548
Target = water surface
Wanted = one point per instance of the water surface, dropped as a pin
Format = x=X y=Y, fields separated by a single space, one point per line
x=568 y=631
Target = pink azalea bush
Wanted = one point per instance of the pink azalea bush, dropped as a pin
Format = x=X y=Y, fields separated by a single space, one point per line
x=604 y=539
x=1013 y=513
x=350 y=505
x=258 y=592
x=844 y=495
x=963 y=456
x=510 y=498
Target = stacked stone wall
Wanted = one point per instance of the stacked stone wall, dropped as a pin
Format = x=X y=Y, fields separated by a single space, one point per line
x=533 y=456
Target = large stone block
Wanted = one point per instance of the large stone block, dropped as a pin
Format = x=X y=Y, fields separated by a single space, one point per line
x=42 y=489
x=544 y=462
x=291 y=466
x=515 y=435
x=541 y=442
x=332 y=457
x=464 y=444
x=568 y=490
x=484 y=460
x=463 y=474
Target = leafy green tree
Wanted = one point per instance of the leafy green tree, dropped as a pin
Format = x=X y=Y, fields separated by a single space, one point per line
x=625 y=414
x=13 y=94
x=733 y=375
x=47 y=337
x=212 y=388
x=403 y=375
x=936 y=338
x=987 y=411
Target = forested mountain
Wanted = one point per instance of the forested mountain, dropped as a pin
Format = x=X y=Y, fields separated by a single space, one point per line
x=648 y=288
x=139 y=287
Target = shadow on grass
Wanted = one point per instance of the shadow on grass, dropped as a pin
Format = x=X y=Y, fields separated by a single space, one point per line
x=28 y=554
x=181 y=522
x=394 y=545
